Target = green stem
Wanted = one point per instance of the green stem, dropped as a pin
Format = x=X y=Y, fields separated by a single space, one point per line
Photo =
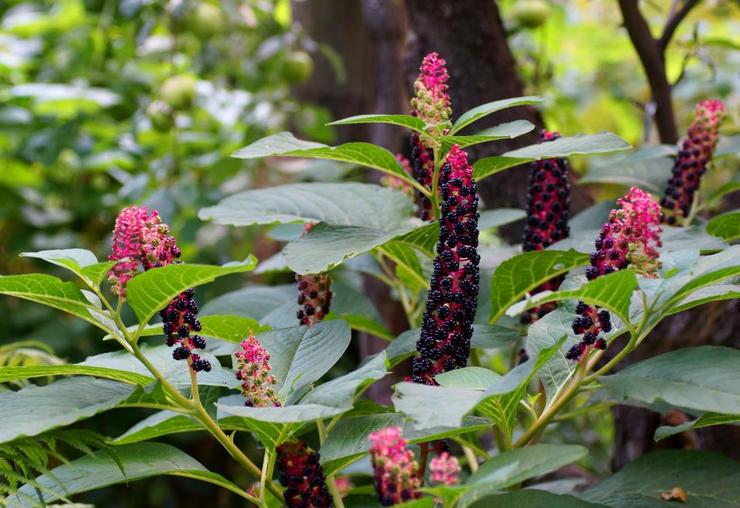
x=268 y=465
x=472 y=459
x=550 y=412
x=331 y=484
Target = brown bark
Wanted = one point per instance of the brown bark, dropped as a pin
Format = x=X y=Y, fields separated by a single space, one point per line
x=470 y=35
x=368 y=35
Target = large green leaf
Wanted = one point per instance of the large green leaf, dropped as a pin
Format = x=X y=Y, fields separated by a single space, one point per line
x=710 y=481
x=73 y=260
x=53 y=292
x=487 y=166
x=339 y=204
x=612 y=291
x=525 y=272
x=327 y=246
x=499 y=217
x=412 y=122
x=176 y=372
x=131 y=462
x=285 y=144
x=478 y=112
x=705 y=420
x=228 y=328
x=300 y=355
x=252 y=301
x=531 y=498
x=648 y=168
x=582 y=144
x=698 y=379
x=154 y=289
x=36 y=409
x=506 y=130
x=349 y=439
x=422 y=402
x=514 y=466
x=726 y=226
x=36 y=371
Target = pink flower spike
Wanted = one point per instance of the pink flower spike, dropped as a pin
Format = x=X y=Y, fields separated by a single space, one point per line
x=395 y=469
x=254 y=371
x=444 y=468
x=691 y=162
x=431 y=102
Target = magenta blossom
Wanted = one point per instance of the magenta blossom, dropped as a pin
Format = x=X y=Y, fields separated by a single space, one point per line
x=254 y=371
x=395 y=469
x=630 y=239
x=431 y=102
x=445 y=469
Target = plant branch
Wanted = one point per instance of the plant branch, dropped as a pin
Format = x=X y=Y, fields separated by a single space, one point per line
x=675 y=19
x=331 y=484
x=651 y=56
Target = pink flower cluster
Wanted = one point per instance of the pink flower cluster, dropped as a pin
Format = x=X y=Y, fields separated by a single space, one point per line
x=254 y=371
x=141 y=240
x=444 y=468
x=395 y=470
x=691 y=162
x=431 y=102
x=630 y=239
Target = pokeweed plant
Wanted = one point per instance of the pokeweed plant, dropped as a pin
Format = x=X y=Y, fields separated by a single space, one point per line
x=458 y=432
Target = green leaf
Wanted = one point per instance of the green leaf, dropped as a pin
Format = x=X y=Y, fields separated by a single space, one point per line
x=98 y=272
x=252 y=301
x=338 y=204
x=709 y=270
x=405 y=257
x=498 y=217
x=36 y=371
x=285 y=144
x=487 y=166
x=508 y=130
x=612 y=291
x=700 y=379
x=411 y=122
x=71 y=259
x=422 y=402
x=52 y=292
x=174 y=371
x=514 y=466
x=36 y=409
x=725 y=226
x=159 y=424
x=478 y=112
x=154 y=289
x=327 y=246
x=582 y=144
x=100 y=470
x=231 y=328
x=349 y=439
x=525 y=272
x=716 y=197
x=341 y=391
x=709 y=479
x=705 y=420
x=708 y=294
x=531 y=498
x=648 y=168
x=301 y=355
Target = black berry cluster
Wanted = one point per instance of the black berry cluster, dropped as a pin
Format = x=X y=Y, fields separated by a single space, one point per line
x=180 y=322
x=548 y=211
x=447 y=325
x=301 y=474
x=314 y=297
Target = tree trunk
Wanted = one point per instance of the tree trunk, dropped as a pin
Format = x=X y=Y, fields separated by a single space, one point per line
x=470 y=35
x=368 y=35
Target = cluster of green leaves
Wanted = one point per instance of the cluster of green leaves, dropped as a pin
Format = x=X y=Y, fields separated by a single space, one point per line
x=364 y=229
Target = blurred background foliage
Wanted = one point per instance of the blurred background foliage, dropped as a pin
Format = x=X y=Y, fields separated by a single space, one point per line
x=107 y=103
